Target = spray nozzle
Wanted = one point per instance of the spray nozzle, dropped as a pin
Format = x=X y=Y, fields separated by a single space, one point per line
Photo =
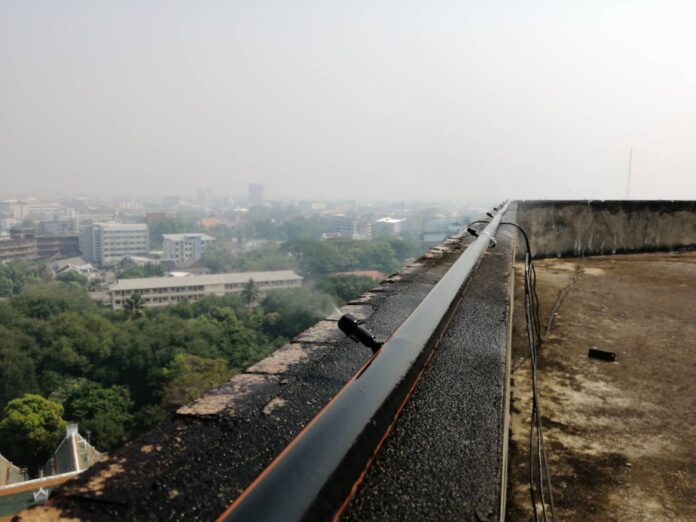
x=350 y=326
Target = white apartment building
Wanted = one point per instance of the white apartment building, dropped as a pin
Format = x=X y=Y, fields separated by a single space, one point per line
x=185 y=249
x=163 y=291
x=351 y=226
x=105 y=244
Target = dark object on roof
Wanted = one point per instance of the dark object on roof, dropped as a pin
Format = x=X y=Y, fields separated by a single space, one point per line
x=596 y=353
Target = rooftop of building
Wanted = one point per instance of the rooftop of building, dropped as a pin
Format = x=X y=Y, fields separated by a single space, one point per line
x=188 y=235
x=113 y=225
x=620 y=435
x=211 y=279
x=73 y=455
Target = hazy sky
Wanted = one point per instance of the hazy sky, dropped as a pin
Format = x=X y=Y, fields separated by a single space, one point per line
x=396 y=100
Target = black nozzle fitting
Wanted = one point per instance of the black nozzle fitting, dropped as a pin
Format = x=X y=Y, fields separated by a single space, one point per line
x=492 y=243
x=350 y=326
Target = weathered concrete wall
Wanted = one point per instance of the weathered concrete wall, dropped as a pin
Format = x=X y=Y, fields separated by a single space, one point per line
x=585 y=228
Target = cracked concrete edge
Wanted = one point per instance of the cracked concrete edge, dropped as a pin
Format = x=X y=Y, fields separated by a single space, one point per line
x=231 y=397
x=361 y=312
x=279 y=362
x=324 y=332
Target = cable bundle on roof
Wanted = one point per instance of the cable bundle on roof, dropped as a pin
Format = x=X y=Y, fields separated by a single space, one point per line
x=540 y=486
x=539 y=481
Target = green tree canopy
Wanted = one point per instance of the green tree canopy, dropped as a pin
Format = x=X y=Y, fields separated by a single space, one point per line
x=315 y=258
x=297 y=309
x=133 y=306
x=217 y=259
x=31 y=429
x=250 y=293
x=189 y=376
x=267 y=257
x=71 y=276
x=344 y=287
x=42 y=301
x=17 y=370
x=103 y=412
x=146 y=270
x=15 y=275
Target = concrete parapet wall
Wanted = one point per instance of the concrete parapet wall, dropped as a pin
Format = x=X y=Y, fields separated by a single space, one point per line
x=586 y=228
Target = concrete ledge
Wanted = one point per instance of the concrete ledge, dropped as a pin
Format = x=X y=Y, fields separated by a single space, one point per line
x=231 y=397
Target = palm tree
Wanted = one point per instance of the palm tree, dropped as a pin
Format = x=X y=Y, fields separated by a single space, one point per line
x=134 y=306
x=250 y=293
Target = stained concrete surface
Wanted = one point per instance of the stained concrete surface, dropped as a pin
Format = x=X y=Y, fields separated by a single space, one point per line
x=587 y=228
x=621 y=436
x=444 y=457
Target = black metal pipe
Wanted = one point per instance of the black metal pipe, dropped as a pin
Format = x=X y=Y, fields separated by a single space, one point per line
x=314 y=476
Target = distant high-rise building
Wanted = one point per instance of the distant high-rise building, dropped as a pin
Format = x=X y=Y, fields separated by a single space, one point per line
x=351 y=226
x=106 y=244
x=256 y=194
x=58 y=227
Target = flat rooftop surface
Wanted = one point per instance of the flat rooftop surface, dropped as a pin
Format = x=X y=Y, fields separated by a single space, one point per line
x=621 y=436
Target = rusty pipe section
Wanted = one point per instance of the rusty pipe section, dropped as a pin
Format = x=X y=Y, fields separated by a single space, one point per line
x=315 y=476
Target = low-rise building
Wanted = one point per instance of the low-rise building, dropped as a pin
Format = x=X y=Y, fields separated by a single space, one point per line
x=163 y=291
x=9 y=473
x=185 y=249
x=72 y=264
x=74 y=453
x=73 y=456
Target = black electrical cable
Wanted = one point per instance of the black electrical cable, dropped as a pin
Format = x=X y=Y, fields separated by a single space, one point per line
x=537 y=449
x=535 y=339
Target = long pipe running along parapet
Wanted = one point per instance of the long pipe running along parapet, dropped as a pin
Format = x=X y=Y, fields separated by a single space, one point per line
x=315 y=476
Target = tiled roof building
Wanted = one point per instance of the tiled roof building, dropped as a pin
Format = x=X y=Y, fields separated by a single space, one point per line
x=73 y=454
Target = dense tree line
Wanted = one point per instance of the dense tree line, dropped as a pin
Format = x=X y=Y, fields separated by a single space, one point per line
x=312 y=258
x=15 y=275
x=64 y=359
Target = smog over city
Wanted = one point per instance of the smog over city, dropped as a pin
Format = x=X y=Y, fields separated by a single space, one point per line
x=457 y=101
x=363 y=260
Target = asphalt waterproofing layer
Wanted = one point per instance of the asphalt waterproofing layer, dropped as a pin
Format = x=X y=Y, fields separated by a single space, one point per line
x=193 y=466
x=444 y=458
